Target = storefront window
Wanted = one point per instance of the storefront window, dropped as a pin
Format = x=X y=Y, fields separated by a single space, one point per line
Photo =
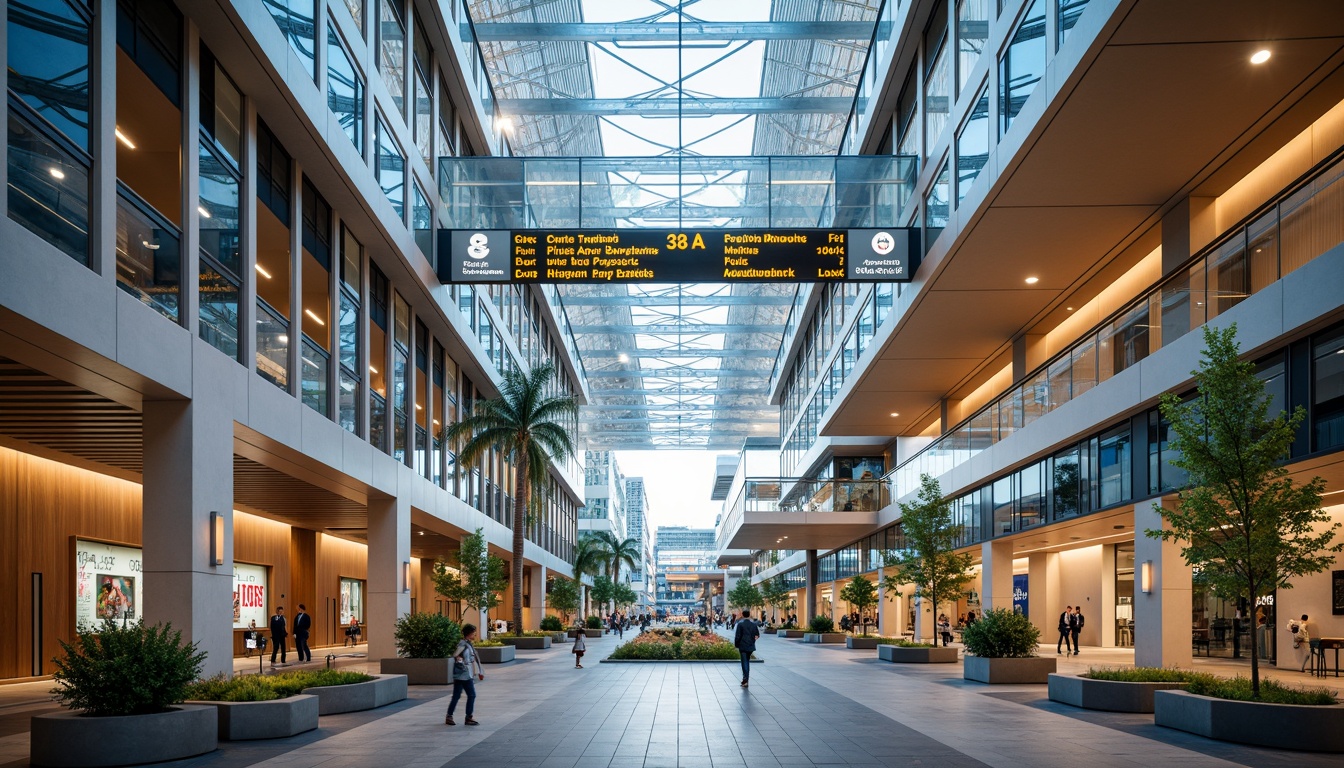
x=1327 y=412
x=352 y=601
x=1124 y=595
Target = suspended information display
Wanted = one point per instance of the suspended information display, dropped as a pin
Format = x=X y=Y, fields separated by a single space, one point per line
x=676 y=256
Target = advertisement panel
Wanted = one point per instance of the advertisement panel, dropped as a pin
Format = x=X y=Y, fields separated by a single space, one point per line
x=108 y=583
x=249 y=595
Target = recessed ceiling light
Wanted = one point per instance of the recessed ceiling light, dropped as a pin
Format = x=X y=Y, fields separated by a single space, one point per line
x=895 y=414
x=422 y=533
x=1070 y=309
x=201 y=210
x=1033 y=280
x=1260 y=56
x=123 y=138
x=56 y=173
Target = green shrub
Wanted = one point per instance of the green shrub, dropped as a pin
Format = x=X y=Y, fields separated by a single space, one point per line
x=426 y=636
x=1002 y=634
x=1271 y=692
x=488 y=643
x=1141 y=674
x=249 y=688
x=820 y=625
x=594 y=622
x=126 y=670
x=552 y=624
x=901 y=642
x=270 y=687
x=673 y=645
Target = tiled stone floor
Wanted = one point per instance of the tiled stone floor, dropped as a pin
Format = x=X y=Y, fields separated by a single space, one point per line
x=807 y=705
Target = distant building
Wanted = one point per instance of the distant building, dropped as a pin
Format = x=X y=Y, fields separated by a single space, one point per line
x=685 y=568
x=637 y=511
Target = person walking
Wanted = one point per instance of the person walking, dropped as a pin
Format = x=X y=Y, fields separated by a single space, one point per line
x=1076 y=627
x=250 y=637
x=1065 y=619
x=580 y=646
x=303 y=624
x=467 y=670
x=744 y=639
x=279 y=632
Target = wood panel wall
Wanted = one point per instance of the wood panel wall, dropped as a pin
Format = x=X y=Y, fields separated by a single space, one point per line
x=336 y=559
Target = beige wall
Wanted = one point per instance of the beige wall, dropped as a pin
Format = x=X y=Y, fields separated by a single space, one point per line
x=1310 y=595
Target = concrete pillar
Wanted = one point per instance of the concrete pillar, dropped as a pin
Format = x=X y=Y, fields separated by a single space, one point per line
x=888 y=606
x=1162 y=611
x=924 y=618
x=1106 y=611
x=810 y=598
x=1043 y=592
x=188 y=477
x=536 y=598
x=389 y=547
x=996 y=575
x=729 y=582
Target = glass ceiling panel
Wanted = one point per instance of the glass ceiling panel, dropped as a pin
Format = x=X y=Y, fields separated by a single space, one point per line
x=710 y=86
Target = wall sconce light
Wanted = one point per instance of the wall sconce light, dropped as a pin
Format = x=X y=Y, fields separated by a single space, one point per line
x=1146 y=577
x=216 y=538
x=405 y=575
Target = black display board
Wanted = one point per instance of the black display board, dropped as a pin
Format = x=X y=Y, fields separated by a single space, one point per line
x=1337 y=592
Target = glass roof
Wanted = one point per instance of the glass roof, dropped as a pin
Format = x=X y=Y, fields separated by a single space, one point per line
x=687 y=365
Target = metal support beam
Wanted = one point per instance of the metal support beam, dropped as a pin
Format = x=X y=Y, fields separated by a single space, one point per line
x=672 y=391
x=689 y=107
x=672 y=301
x=671 y=34
x=672 y=351
x=676 y=373
x=669 y=329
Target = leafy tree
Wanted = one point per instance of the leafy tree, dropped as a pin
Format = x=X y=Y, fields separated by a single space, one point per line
x=861 y=595
x=604 y=589
x=745 y=594
x=1241 y=521
x=929 y=559
x=564 y=597
x=776 y=593
x=477 y=578
x=530 y=427
x=588 y=561
x=616 y=552
x=625 y=595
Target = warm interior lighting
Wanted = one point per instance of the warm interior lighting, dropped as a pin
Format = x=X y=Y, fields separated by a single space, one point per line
x=419 y=407
x=261 y=271
x=405 y=575
x=1146 y=576
x=201 y=210
x=373 y=370
x=1260 y=56
x=1033 y=280
x=284 y=338
x=56 y=173
x=313 y=315
x=422 y=533
x=122 y=138
x=894 y=414
x=148 y=245
x=1069 y=309
x=217 y=538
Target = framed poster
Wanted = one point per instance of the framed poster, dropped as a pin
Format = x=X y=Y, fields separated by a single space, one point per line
x=1337 y=593
x=1020 y=602
x=352 y=601
x=249 y=596
x=108 y=583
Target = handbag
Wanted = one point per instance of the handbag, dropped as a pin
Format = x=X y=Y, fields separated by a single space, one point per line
x=460 y=670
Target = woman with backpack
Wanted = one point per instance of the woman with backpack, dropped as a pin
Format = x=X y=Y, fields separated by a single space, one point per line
x=467 y=670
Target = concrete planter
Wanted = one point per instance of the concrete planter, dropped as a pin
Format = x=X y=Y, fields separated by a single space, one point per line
x=825 y=637
x=528 y=643
x=250 y=720
x=419 y=671
x=1106 y=695
x=899 y=655
x=1033 y=669
x=1278 y=726
x=496 y=655
x=792 y=634
x=861 y=643
x=559 y=637
x=586 y=633
x=770 y=630
x=73 y=740
x=357 y=697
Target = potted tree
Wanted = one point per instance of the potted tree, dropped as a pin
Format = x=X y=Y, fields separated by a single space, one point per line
x=476 y=582
x=604 y=593
x=779 y=597
x=745 y=595
x=123 y=686
x=1001 y=648
x=563 y=597
x=821 y=629
x=425 y=644
x=929 y=559
x=527 y=425
x=860 y=594
x=1243 y=523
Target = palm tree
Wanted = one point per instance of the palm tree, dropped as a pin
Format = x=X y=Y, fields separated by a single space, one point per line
x=617 y=552
x=526 y=424
x=589 y=560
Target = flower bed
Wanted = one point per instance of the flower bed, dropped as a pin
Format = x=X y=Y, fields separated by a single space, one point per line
x=270 y=687
x=902 y=642
x=676 y=645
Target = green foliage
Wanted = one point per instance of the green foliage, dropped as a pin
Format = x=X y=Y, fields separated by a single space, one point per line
x=477 y=577
x=776 y=593
x=615 y=553
x=604 y=589
x=626 y=595
x=861 y=594
x=552 y=623
x=821 y=625
x=745 y=595
x=563 y=597
x=532 y=429
x=929 y=560
x=488 y=643
x=594 y=622
x=134 y=669
x=426 y=636
x=269 y=687
x=1141 y=674
x=1002 y=634
x=1270 y=691
x=901 y=642
x=1241 y=521
x=669 y=646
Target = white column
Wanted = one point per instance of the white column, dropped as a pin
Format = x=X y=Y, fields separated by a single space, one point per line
x=924 y=619
x=389 y=547
x=996 y=575
x=1106 y=611
x=888 y=607
x=810 y=594
x=1043 y=593
x=188 y=475
x=537 y=590
x=1162 y=611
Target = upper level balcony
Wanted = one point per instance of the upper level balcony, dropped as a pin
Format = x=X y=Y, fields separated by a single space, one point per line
x=801 y=513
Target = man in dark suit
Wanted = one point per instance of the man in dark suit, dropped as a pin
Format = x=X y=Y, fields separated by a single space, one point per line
x=303 y=624
x=279 y=631
x=744 y=639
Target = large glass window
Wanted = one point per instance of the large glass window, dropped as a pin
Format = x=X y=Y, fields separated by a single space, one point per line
x=296 y=21
x=937 y=208
x=392 y=51
x=422 y=222
x=1003 y=505
x=149 y=255
x=1065 y=484
x=345 y=89
x=937 y=80
x=48 y=59
x=1023 y=63
x=274 y=265
x=218 y=207
x=1124 y=342
x=1228 y=275
x=348 y=336
x=316 y=282
x=391 y=168
x=1030 y=496
x=973 y=144
x=972 y=32
x=401 y=350
x=423 y=108
x=48 y=187
x=907 y=127
x=447 y=119
x=1327 y=394
x=1069 y=11
x=1115 y=466
x=221 y=109
x=379 y=325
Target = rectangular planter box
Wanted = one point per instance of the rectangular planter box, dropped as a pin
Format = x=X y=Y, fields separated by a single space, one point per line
x=899 y=655
x=586 y=632
x=1279 y=726
x=770 y=630
x=861 y=643
x=559 y=637
x=70 y=740
x=419 y=671
x=1105 y=695
x=1033 y=669
x=528 y=643
x=249 y=720
x=496 y=655
x=793 y=634
x=825 y=637
x=356 y=697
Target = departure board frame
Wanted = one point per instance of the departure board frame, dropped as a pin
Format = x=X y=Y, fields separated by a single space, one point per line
x=685 y=255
